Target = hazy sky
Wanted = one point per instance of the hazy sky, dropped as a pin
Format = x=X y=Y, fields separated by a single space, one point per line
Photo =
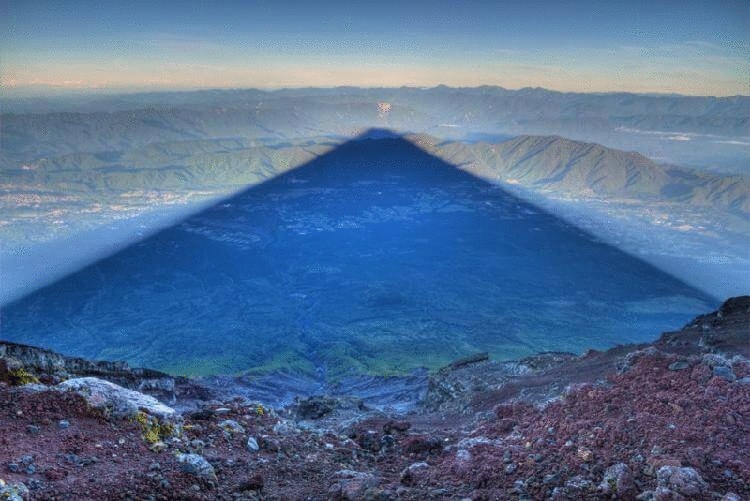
x=681 y=46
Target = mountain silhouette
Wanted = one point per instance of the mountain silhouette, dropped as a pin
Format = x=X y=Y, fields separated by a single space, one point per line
x=374 y=257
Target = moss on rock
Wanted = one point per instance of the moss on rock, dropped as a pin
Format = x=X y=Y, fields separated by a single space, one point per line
x=154 y=430
x=17 y=376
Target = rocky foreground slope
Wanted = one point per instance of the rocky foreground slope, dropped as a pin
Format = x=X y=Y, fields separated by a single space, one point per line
x=669 y=420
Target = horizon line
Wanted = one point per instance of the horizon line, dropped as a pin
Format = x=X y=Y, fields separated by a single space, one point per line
x=52 y=92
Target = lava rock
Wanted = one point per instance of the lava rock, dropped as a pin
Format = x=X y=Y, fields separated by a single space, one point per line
x=269 y=444
x=734 y=306
x=197 y=466
x=618 y=480
x=231 y=426
x=420 y=444
x=254 y=483
x=413 y=473
x=392 y=427
x=202 y=415
x=575 y=488
x=387 y=442
x=506 y=425
x=315 y=407
x=368 y=440
x=585 y=454
x=682 y=480
x=197 y=445
x=35 y=484
x=353 y=484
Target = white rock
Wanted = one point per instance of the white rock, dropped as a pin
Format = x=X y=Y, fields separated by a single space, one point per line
x=120 y=401
x=252 y=444
x=34 y=388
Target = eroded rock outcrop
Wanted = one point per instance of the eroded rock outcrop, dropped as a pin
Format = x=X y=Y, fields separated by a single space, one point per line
x=116 y=400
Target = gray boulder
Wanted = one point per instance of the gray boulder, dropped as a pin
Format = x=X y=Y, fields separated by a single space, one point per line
x=196 y=465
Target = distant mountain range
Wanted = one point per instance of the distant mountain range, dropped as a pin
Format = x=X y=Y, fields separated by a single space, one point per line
x=550 y=163
x=467 y=107
x=700 y=131
x=587 y=170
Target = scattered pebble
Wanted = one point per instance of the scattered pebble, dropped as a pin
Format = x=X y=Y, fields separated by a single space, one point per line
x=231 y=426
x=679 y=365
x=585 y=454
x=252 y=444
x=724 y=373
x=197 y=465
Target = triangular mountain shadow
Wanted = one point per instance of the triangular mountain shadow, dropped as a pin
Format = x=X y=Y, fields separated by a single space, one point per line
x=374 y=257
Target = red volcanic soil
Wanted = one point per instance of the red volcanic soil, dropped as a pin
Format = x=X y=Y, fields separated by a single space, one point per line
x=646 y=418
x=662 y=423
